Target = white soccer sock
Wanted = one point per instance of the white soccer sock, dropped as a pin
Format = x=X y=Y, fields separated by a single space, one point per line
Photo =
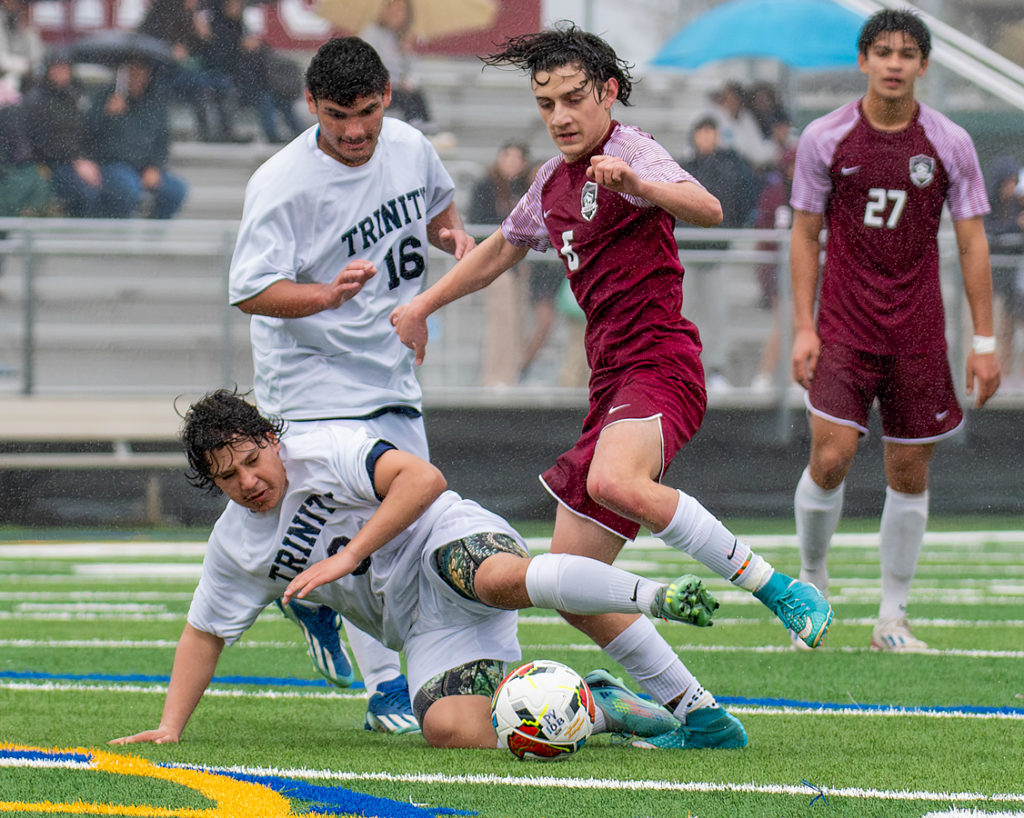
x=653 y=665
x=581 y=585
x=817 y=513
x=698 y=532
x=904 y=518
x=376 y=663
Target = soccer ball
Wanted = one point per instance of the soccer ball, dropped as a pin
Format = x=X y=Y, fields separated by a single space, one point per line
x=543 y=710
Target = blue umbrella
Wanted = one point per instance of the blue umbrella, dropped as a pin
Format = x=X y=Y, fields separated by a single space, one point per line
x=814 y=34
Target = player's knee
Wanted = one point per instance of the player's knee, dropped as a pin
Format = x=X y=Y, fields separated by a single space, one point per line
x=611 y=490
x=829 y=467
x=500 y=581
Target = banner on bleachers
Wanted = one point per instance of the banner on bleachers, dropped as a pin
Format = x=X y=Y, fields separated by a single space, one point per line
x=285 y=24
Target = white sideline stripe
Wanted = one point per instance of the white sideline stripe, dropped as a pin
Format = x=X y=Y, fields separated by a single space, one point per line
x=545 y=781
x=35 y=550
x=590 y=647
x=96 y=596
x=234 y=693
x=125 y=643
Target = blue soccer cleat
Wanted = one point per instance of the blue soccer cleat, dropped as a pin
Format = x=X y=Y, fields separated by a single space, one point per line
x=389 y=709
x=799 y=605
x=709 y=728
x=685 y=600
x=320 y=625
x=625 y=711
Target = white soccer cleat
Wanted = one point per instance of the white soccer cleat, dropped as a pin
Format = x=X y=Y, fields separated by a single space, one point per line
x=894 y=636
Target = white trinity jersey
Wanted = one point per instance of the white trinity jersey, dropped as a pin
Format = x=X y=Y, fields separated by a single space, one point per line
x=396 y=596
x=306 y=216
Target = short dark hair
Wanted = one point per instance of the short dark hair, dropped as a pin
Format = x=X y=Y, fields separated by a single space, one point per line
x=344 y=69
x=220 y=419
x=565 y=44
x=888 y=20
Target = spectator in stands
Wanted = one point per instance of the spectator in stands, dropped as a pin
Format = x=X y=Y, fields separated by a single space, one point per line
x=55 y=125
x=773 y=212
x=21 y=50
x=763 y=102
x=739 y=129
x=493 y=198
x=128 y=134
x=23 y=189
x=180 y=24
x=243 y=56
x=730 y=178
x=390 y=36
x=1005 y=228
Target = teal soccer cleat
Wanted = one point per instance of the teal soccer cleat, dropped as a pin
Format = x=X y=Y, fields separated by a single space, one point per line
x=319 y=625
x=685 y=600
x=709 y=728
x=799 y=605
x=625 y=711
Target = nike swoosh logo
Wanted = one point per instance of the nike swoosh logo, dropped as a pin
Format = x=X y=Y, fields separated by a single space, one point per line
x=547 y=213
x=732 y=553
x=615 y=409
x=941 y=415
x=635 y=587
x=849 y=171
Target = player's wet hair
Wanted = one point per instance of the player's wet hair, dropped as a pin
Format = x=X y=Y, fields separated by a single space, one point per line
x=902 y=20
x=219 y=419
x=565 y=44
x=344 y=69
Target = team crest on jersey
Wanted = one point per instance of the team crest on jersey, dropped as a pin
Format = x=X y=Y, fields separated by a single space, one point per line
x=588 y=201
x=922 y=170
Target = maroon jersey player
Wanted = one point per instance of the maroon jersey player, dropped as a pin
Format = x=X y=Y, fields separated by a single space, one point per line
x=608 y=206
x=876 y=174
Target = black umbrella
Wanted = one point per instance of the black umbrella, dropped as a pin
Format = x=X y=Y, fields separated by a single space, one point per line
x=114 y=48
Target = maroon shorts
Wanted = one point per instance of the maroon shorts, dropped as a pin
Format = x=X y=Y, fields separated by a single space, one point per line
x=636 y=394
x=915 y=393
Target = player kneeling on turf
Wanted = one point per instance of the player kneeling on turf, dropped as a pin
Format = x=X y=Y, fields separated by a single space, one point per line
x=353 y=523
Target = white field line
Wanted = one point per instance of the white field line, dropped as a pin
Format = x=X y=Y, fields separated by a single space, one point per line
x=852 y=711
x=959 y=540
x=543 y=781
x=576 y=648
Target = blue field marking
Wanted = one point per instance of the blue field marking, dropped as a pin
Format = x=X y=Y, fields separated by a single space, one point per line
x=874 y=708
x=259 y=681
x=338 y=800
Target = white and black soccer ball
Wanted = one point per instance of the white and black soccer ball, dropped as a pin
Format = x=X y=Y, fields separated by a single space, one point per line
x=543 y=710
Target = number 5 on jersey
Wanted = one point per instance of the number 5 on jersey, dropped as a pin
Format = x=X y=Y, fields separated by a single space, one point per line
x=571 y=259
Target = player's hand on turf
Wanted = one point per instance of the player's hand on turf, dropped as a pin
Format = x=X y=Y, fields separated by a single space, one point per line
x=319 y=573
x=411 y=327
x=456 y=242
x=614 y=174
x=806 y=351
x=348 y=282
x=159 y=736
x=983 y=376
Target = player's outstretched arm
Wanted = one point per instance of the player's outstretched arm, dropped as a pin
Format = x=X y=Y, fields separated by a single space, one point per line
x=194 y=663
x=804 y=251
x=289 y=299
x=983 y=374
x=408 y=485
x=686 y=201
x=447 y=232
x=478 y=269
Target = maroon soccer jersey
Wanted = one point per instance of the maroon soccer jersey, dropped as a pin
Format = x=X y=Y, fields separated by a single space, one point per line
x=619 y=253
x=882 y=194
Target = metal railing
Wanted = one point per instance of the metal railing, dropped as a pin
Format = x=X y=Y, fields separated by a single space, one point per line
x=140 y=307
